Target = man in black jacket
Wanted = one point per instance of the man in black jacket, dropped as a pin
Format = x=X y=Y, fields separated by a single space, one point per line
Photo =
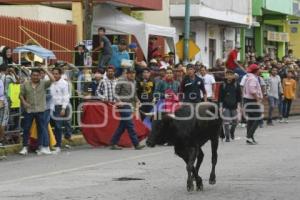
x=192 y=85
x=230 y=98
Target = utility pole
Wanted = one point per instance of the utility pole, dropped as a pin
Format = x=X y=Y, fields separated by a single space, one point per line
x=187 y=21
x=88 y=19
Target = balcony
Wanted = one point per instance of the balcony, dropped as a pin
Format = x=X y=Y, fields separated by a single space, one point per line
x=231 y=11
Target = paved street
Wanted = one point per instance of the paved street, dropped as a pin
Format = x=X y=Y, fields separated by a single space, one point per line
x=268 y=171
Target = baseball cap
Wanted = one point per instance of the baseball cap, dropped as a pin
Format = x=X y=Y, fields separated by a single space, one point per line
x=133 y=45
x=252 y=68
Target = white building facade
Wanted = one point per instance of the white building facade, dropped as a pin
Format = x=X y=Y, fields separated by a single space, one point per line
x=215 y=25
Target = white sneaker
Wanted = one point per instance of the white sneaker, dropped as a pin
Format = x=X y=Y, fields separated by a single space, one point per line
x=286 y=120
x=24 y=151
x=57 y=150
x=281 y=121
x=44 y=151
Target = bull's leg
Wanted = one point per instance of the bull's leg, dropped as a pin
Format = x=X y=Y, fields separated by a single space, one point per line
x=192 y=153
x=214 y=158
x=198 y=178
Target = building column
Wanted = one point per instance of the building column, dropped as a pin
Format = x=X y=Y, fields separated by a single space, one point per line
x=77 y=18
x=281 y=45
x=243 y=44
x=259 y=40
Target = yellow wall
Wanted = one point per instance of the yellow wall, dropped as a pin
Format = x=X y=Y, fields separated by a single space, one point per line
x=161 y=17
x=77 y=18
x=294 y=40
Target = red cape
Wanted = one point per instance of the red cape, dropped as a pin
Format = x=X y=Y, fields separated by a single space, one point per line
x=96 y=135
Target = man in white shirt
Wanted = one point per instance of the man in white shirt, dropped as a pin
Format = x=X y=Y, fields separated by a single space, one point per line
x=209 y=83
x=60 y=107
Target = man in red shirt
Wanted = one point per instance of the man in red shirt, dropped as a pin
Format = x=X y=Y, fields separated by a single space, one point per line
x=232 y=63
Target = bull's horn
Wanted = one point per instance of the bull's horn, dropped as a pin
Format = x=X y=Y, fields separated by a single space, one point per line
x=172 y=115
x=148 y=114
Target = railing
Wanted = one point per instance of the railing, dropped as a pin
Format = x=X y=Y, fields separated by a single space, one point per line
x=13 y=130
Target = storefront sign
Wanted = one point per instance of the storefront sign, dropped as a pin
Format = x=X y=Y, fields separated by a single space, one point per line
x=278 y=36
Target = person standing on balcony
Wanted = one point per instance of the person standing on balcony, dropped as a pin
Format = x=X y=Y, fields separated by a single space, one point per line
x=105 y=48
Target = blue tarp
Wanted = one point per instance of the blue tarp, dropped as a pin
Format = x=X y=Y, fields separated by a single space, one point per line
x=37 y=50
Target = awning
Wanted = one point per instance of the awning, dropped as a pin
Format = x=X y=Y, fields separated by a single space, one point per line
x=119 y=23
x=36 y=50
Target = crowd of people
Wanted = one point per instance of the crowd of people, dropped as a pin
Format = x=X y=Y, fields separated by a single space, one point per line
x=133 y=85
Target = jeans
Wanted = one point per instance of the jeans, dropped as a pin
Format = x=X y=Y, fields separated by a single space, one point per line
x=103 y=60
x=40 y=120
x=230 y=117
x=59 y=123
x=47 y=121
x=240 y=72
x=280 y=104
x=273 y=102
x=125 y=123
x=286 y=107
x=119 y=72
x=254 y=116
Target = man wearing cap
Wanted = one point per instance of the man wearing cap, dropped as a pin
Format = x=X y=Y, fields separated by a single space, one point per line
x=139 y=65
x=233 y=64
x=119 y=53
x=126 y=96
x=192 y=86
x=252 y=95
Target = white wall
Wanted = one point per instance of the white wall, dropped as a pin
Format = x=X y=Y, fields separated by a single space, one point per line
x=205 y=31
x=199 y=10
x=37 y=12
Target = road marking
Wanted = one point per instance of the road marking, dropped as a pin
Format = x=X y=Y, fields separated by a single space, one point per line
x=84 y=167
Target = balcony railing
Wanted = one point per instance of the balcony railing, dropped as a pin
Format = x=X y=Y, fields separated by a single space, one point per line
x=240 y=6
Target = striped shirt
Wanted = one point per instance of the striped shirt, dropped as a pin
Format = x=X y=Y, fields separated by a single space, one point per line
x=106 y=90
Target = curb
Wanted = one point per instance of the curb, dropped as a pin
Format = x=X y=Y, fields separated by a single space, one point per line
x=77 y=140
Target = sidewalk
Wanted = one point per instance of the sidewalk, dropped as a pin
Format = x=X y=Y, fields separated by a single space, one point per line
x=77 y=140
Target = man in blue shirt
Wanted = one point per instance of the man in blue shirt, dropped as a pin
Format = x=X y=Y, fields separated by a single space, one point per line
x=119 y=53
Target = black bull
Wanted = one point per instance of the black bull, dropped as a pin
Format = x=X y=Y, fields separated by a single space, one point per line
x=188 y=136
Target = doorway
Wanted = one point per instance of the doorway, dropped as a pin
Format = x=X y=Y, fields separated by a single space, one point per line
x=212 y=52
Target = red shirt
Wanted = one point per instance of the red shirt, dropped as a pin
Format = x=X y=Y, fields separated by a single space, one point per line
x=231 y=58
